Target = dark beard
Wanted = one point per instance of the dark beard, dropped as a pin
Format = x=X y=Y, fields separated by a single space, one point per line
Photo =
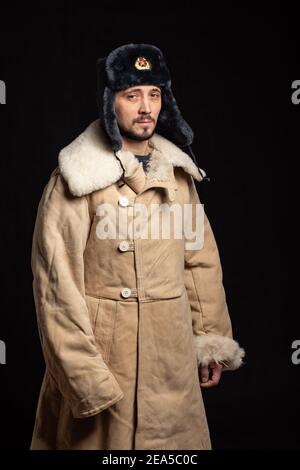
x=133 y=136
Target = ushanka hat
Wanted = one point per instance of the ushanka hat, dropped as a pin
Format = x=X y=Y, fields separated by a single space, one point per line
x=139 y=64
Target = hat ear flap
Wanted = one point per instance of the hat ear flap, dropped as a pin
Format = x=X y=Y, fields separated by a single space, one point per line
x=109 y=119
x=106 y=105
x=170 y=123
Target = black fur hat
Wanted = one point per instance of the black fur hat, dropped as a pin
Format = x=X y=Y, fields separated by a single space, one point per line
x=138 y=64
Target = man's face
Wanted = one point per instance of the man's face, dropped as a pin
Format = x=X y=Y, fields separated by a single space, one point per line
x=137 y=110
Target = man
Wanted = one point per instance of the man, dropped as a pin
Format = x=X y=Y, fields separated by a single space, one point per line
x=132 y=321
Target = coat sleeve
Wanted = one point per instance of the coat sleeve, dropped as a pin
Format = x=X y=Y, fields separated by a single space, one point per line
x=72 y=359
x=203 y=281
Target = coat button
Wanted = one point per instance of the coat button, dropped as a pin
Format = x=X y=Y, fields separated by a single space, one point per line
x=123 y=201
x=126 y=292
x=123 y=246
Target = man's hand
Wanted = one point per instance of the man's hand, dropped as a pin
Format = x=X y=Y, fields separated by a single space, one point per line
x=210 y=375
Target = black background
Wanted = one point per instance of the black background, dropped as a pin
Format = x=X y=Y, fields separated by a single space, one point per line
x=232 y=73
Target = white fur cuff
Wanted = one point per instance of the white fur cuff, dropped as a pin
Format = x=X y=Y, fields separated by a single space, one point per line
x=220 y=349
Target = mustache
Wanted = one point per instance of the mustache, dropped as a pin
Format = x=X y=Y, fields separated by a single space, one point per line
x=144 y=118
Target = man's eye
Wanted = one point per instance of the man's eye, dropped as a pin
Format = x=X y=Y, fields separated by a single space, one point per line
x=131 y=96
x=155 y=95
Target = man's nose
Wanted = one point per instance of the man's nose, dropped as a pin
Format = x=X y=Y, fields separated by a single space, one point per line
x=145 y=106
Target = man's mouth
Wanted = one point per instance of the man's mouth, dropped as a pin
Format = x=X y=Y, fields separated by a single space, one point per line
x=142 y=121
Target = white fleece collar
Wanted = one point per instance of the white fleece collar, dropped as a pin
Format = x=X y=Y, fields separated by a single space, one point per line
x=88 y=163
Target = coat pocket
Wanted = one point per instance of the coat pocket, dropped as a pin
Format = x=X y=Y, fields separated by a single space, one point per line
x=103 y=316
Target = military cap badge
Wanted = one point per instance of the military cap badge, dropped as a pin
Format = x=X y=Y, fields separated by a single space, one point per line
x=142 y=63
